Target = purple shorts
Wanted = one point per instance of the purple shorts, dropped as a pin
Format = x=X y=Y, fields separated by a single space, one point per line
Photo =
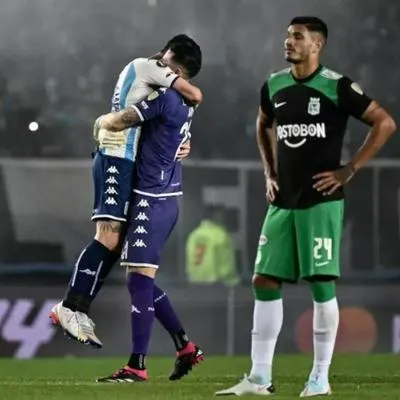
x=151 y=221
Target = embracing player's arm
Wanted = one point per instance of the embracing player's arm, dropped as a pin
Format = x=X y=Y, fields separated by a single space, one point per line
x=355 y=103
x=118 y=121
x=266 y=141
x=154 y=105
x=158 y=73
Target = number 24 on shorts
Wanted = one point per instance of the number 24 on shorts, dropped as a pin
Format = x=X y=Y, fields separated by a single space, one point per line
x=323 y=250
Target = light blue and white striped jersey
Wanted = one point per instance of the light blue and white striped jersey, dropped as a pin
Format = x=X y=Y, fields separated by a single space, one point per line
x=134 y=85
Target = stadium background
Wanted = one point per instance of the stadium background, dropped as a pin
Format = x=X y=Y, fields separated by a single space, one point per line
x=58 y=66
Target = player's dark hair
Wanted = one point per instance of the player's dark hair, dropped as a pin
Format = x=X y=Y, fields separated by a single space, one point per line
x=313 y=24
x=186 y=53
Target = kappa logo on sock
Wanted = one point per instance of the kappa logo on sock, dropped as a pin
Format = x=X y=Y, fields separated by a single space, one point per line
x=88 y=271
x=150 y=309
x=135 y=310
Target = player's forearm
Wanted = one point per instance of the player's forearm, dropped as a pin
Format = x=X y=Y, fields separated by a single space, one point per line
x=189 y=91
x=380 y=133
x=118 y=121
x=266 y=147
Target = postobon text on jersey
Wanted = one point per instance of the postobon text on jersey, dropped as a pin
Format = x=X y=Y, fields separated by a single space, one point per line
x=295 y=135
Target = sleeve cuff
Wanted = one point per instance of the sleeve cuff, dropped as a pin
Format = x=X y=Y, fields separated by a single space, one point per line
x=173 y=82
x=139 y=113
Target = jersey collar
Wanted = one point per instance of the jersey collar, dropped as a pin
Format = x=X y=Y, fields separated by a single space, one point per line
x=309 y=77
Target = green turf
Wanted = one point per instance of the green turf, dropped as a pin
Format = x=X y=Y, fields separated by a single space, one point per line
x=353 y=377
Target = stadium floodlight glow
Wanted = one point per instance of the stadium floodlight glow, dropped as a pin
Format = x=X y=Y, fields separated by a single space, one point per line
x=33 y=126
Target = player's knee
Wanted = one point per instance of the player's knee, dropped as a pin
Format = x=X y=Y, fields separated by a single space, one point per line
x=265 y=282
x=108 y=233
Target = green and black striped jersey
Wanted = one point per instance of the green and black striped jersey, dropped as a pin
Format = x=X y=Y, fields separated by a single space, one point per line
x=310 y=117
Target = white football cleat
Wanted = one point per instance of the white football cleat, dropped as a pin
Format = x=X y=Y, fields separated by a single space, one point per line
x=87 y=326
x=68 y=321
x=245 y=386
x=314 y=387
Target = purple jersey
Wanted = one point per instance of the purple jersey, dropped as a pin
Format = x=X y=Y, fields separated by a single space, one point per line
x=166 y=123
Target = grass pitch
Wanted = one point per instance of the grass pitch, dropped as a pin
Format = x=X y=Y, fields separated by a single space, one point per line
x=353 y=377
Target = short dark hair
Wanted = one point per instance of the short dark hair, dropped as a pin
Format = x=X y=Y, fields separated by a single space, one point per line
x=186 y=53
x=313 y=24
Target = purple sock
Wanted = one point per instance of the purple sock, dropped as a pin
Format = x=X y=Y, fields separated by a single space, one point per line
x=141 y=289
x=91 y=269
x=165 y=313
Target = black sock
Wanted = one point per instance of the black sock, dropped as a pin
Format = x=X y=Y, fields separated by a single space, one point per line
x=136 y=361
x=93 y=266
x=180 y=339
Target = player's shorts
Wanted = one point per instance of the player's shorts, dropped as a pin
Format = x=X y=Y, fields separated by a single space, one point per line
x=151 y=221
x=112 y=178
x=301 y=243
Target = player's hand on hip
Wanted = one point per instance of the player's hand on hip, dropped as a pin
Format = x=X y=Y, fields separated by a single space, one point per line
x=328 y=182
x=271 y=187
x=111 y=140
x=184 y=150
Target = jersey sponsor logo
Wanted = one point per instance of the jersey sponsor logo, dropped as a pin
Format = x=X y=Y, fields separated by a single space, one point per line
x=111 y=201
x=314 y=106
x=303 y=131
x=139 y=243
x=356 y=87
x=277 y=105
x=113 y=170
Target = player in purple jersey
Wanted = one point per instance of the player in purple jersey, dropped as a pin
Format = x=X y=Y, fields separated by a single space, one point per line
x=165 y=119
x=113 y=172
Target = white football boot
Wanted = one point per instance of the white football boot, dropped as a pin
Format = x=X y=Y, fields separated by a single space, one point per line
x=315 y=387
x=68 y=321
x=87 y=327
x=245 y=386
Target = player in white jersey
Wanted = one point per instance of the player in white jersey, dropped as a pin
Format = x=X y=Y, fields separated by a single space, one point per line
x=112 y=174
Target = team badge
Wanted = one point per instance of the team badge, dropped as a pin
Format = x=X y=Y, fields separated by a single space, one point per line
x=314 y=106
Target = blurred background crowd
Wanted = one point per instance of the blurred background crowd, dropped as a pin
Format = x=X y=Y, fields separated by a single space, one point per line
x=60 y=62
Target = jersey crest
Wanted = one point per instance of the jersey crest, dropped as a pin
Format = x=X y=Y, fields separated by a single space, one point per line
x=314 y=106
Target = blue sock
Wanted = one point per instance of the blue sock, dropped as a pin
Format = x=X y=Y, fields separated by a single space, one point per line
x=166 y=315
x=91 y=269
x=141 y=289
